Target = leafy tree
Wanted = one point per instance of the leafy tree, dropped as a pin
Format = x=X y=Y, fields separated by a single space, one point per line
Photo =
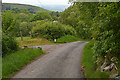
x=99 y=21
x=10 y=25
x=80 y=16
x=42 y=16
x=55 y=15
x=50 y=30
x=107 y=29
x=24 y=17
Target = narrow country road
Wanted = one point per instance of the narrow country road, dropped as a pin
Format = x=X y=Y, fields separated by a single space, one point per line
x=63 y=62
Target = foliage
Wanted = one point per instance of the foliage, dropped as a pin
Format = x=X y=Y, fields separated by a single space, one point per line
x=25 y=28
x=80 y=17
x=107 y=30
x=70 y=16
x=99 y=21
x=55 y=15
x=24 y=17
x=9 y=26
x=67 y=38
x=88 y=61
x=50 y=30
x=8 y=44
x=15 y=61
x=42 y=16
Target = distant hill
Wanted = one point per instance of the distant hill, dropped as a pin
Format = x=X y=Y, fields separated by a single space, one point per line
x=30 y=8
x=59 y=8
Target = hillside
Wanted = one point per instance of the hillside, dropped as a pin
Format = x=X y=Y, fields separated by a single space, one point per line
x=30 y=8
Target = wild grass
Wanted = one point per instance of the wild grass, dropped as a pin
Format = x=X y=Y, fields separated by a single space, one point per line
x=68 y=38
x=15 y=61
x=88 y=61
x=33 y=42
x=24 y=38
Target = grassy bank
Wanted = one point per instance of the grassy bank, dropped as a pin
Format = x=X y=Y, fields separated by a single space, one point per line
x=88 y=61
x=68 y=38
x=15 y=61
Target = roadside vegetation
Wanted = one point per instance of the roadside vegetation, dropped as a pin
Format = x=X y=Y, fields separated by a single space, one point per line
x=88 y=60
x=16 y=60
x=97 y=22
x=68 y=38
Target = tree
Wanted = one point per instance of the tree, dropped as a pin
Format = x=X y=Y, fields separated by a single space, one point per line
x=10 y=25
x=80 y=16
x=107 y=29
x=42 y=16
x=24 y=17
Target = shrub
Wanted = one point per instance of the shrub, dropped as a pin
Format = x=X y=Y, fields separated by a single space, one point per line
x=50 y=30
x=8 y=44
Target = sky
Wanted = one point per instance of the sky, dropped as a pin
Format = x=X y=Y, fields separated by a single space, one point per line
x=54 y=5
x=38 y=2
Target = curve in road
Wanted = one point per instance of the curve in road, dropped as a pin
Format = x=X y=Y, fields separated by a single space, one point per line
x=63 y=62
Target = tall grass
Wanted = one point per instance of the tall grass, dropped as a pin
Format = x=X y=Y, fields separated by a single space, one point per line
x=15 y=61
x=88 y=61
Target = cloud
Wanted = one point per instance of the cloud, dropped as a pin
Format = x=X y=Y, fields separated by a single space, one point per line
x=38 y=2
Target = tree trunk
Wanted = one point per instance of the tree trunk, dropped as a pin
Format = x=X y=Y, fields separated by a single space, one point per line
x=21 y=36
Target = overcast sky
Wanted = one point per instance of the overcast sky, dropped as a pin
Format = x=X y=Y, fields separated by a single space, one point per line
x=38 y=2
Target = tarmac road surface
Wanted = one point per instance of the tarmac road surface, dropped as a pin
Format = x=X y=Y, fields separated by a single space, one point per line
x=63 y=62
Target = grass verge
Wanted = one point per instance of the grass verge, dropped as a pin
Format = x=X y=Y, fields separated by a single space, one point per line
x=68 y=38
x=15 y=61
x=88 y=61
x=24 y=38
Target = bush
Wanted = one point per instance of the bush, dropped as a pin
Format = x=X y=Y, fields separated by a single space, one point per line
x=8 y=44
x=50 y=30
